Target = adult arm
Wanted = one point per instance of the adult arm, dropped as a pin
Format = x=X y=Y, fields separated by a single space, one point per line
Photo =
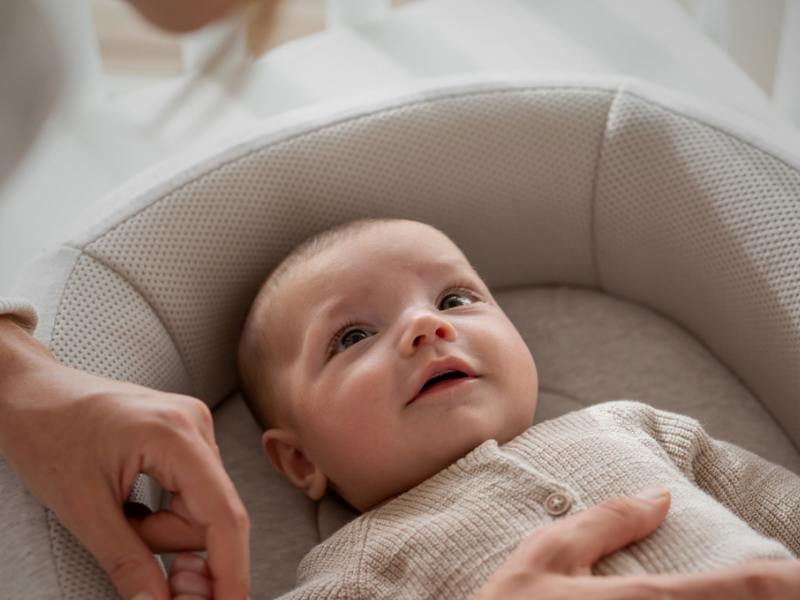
x=102 y=433
x=555 y=562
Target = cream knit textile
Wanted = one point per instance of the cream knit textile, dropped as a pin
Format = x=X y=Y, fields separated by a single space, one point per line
x=445 y=537
x=22 y=311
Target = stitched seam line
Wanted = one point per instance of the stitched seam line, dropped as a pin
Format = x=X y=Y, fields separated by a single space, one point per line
x=593 y=205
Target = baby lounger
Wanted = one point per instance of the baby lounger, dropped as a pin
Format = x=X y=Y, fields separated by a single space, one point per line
x=644 y=248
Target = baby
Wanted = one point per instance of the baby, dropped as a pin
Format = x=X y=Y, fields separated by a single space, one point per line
x=382 y=369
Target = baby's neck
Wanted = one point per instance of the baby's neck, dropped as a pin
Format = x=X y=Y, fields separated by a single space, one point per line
x=389 y=499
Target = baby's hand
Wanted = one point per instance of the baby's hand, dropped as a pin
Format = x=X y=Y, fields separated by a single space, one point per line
x=189 y=578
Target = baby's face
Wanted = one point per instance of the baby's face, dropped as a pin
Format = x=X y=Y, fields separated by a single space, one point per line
x=366 y=324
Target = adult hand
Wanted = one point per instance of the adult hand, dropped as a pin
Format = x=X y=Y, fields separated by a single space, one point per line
x=555 y=563
x=77 y=442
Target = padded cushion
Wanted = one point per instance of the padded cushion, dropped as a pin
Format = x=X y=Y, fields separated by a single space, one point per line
x=708 y=236
x=604 y=186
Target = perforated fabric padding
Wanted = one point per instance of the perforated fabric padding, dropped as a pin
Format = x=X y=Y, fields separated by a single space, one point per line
x=591 y=347
x=705 y=228
x=508 y=174
x=105 y=327
x=79 y=575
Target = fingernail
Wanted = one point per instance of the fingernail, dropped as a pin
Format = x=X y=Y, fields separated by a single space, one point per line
x=142 y=596
x=654 y=493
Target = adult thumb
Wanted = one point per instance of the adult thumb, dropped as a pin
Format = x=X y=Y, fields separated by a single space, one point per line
x=609 y=526
x=125 y=558
x=572 y=545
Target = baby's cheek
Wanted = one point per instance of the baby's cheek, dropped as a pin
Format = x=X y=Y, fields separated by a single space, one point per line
x=348 y=440
x=523 y=385
x=513 y=376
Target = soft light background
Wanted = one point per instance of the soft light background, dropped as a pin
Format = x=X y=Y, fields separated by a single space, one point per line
x=138 y=96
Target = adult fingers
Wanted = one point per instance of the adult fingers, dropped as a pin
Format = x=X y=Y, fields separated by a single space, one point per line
x=224 y=537
x=172 y=530
x=756 y=580
x=195 y=471
x=575 y=543
x=166 y=531
x=101 y=527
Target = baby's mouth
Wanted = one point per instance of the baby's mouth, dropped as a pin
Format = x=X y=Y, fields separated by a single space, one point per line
x=441 y=381
x=446 y=376
x=442 y=373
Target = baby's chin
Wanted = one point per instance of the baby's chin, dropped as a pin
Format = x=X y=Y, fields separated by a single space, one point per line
x=422 y=476
x=439 y=458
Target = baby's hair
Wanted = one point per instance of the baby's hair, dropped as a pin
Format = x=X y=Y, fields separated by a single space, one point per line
x=254 y=356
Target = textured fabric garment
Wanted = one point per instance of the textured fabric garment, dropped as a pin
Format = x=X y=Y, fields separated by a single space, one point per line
x=22 y=312
x=445 y=537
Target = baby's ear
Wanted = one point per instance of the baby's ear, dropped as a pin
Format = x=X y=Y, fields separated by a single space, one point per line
x=285 y=452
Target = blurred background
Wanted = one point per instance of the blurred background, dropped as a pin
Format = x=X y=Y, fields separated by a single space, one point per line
x=137 y=95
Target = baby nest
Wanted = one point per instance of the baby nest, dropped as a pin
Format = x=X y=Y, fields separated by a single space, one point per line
x=646 y=247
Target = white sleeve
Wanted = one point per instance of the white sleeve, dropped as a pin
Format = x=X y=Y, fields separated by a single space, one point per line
x=22 y=311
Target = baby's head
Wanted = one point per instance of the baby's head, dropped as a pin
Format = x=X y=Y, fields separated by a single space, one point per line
x=341 y=351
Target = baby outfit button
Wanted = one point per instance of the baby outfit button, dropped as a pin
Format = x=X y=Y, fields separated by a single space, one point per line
x=557 y=504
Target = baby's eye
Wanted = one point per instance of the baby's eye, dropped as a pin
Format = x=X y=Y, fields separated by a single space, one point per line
x=454 y=299
x=346 y=338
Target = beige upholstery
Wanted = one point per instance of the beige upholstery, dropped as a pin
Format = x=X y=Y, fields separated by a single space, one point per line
x=644 y=251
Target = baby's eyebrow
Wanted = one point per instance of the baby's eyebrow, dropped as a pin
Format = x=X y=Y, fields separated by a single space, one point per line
x=329 y=312
x=332 y=309
x=324 y=321
x=338 y=304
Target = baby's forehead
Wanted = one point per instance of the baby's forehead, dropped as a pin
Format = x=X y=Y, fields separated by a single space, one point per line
x=349 y=273
x=400 y=238
x=352 y=268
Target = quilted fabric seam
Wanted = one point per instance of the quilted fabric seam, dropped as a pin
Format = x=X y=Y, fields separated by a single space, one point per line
x=593 y=199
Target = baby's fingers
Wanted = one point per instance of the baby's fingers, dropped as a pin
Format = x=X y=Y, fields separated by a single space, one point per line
x=190 y=562
x=189 y=578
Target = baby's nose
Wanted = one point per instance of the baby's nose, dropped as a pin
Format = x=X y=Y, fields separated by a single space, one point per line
x=420 y=339
x=426 y=328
